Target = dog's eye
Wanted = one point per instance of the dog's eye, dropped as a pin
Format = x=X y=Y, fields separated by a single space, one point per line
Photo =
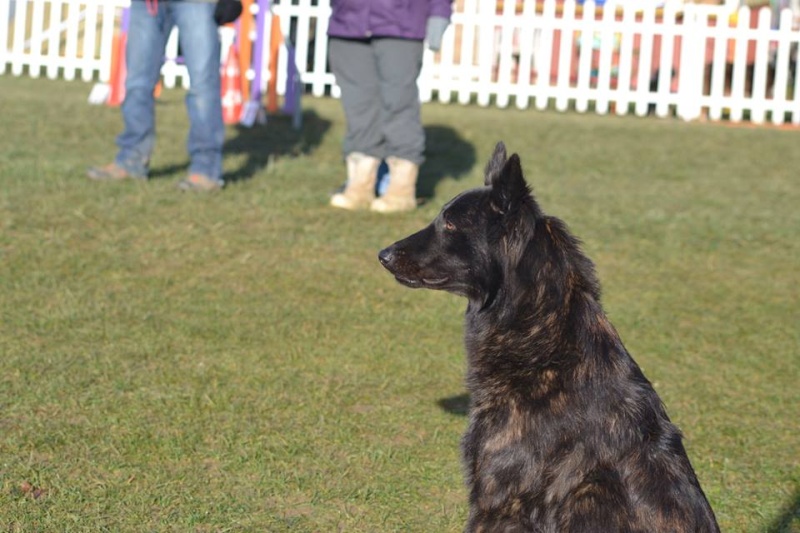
x=449 y=226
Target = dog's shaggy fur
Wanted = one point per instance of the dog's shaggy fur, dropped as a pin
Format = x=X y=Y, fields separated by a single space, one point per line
x=565 y=432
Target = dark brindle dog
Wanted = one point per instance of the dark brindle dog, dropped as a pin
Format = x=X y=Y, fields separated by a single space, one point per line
x=565 y=432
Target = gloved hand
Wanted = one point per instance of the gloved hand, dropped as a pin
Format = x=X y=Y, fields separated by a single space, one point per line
x=434 y=31
x=227 y=11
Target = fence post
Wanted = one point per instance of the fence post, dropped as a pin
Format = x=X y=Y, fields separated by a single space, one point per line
x=320 y=47
x=18 y=46
x=6 y=16
x=71 y=50
x=692 y=65
x=565 y=55
x=588 y=27
x=541 y=96
x=782 y=60
x=486 y=32
x=740 y=45
x=467 y=57
x=759 y=88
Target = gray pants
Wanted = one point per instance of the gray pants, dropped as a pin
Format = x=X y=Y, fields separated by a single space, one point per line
x=378 y=79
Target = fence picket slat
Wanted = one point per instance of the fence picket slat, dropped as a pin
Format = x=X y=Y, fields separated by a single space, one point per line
x=301 y=40
x=541 y=92
x=87 y=60
x=529 y=34
x=626 y=42
x=36 y=41
x=605 y=65
x=565 y=52
x=737 y=97
x=5 y=24
x=485 y=51
x=71 y=50
x=319 y=83
x=18 y=46
x=666 y=42
x=587 y=28
x=718 y=72
x=53 y=35
x=642 y=92
x=282 y=56
x=763 y=34
x=170 y=72
x=504 y=38
x=107 y=25
x=467 y=58
x=796 y=90
x=690 y=87
x=782 y=58
x=445 y=74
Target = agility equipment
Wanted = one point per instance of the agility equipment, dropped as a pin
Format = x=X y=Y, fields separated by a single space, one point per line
x=231 y=85
x=250 y=70
x=253 y=111
x=116 y=92
x=267 y=40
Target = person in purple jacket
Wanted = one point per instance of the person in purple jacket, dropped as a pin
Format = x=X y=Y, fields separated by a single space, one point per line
x=375 y=51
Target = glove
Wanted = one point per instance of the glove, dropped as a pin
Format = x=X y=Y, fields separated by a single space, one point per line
x=227 y=11
x=434 y=31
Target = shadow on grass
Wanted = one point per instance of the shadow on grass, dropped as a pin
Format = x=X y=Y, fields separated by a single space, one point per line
x=789 y=519
x=264 y=143
x=275 y=139
x=446 y=154
x=168 y=170
x=455 y=405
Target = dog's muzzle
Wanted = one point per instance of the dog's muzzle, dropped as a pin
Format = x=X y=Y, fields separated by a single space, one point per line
x=386 y=256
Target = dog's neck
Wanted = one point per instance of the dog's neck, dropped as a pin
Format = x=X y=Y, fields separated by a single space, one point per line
x=547 y=306
x=540 y=327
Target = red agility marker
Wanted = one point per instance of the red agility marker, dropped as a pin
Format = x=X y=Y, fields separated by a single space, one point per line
x=231 y=88
x=119 y=71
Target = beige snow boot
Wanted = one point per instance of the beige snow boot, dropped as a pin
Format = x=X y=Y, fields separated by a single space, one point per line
x=401 y=194
x=359 y=191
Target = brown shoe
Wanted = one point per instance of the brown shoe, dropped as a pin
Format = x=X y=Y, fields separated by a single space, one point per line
x=111 y=172
x=200 y=182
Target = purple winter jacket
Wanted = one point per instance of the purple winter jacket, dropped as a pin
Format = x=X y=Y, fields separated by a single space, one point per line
x=404 y=19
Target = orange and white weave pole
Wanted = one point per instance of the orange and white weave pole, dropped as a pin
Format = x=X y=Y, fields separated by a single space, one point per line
x=116 y=92
x=245 y=42
x=275 y=40
x=231 y=84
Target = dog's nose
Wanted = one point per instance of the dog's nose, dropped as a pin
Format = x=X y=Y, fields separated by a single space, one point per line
x=385 y=256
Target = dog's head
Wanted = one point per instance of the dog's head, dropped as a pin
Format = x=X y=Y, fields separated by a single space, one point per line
x=477 y=237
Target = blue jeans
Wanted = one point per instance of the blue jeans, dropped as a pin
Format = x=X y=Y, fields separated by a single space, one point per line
x=200 y=47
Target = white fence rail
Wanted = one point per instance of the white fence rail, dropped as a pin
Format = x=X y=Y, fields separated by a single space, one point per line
x=690 y=60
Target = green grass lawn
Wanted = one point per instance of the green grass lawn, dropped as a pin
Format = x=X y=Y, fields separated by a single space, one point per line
x=241 y=362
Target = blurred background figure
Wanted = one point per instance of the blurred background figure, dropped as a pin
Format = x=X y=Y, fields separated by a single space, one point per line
x=375 y=52
x=150 y=25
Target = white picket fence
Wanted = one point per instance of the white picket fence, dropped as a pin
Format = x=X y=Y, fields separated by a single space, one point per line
x=684 y=59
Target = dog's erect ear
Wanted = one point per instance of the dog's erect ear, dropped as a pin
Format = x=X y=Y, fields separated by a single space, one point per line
x=509 y=189
x=495 y=164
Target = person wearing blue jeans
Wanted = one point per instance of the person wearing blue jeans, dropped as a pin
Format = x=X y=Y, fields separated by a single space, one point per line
x=151 y=22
